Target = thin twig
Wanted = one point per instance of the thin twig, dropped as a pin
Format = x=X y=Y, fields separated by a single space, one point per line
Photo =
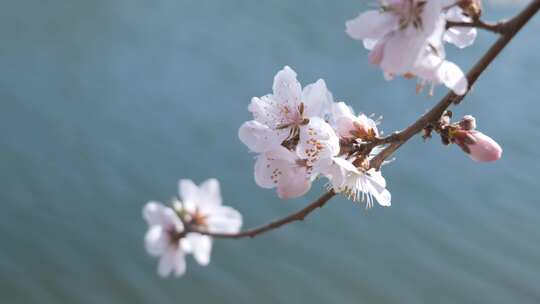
x=297 y=216
x=513 y=27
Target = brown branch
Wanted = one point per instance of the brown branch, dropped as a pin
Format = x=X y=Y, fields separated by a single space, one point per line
x=297 y=216
x=499 y=27
x=512 y=26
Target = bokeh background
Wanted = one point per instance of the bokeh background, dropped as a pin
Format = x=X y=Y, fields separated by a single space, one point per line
x=105 y=104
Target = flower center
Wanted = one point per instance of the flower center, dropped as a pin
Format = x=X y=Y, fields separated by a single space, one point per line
x=408 y=11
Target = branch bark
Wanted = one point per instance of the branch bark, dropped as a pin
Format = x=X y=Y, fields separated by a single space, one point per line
x=300 y=215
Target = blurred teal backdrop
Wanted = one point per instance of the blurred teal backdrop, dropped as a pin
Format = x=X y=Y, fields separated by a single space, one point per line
x=105 y=104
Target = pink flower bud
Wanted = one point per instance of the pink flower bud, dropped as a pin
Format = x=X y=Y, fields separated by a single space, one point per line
x=480 y=147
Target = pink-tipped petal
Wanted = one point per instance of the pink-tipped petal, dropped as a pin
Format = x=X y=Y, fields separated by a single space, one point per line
x=485 y=149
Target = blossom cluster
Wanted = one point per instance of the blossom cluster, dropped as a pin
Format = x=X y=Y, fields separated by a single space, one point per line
x=302 y=134
x=407 y=38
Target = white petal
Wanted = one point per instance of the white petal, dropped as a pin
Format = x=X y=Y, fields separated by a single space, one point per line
x=459 y=36
x=431 y=14
x=401 y=52
x=210 y=193
x=283 y=154
x=341 y=109
x=278 y=168
x=202 y=246
x=179 y=263
x=270 y=165
x=166 y=262
x=224 y=220
x=435 y=40
x=452 y=76
x=153 y=213
x=336 y=176
x=172 y=221
x=340 y=117
x=338 y=171
x=156 y=240
x=377 y=188
x=427 y=68
x=293 y=183
x=270 y=111
x=286 y=87
x=377 y=177
x=189 y=192
x=370 y=43
x=316 y=98
x=318 y=142
x=346 y=165
x=403 y=48
x=260 y=138
x=371 y=25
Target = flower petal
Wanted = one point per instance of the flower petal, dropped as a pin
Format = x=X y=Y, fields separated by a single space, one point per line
x=318 y=142
x=459 y=36
x=286 y=87
x=224 y=220
x=156 y=240
x=371 y=25
x=270 y=111
x=167 y=262
x=210 y=192
x=294 y=183
x=153 y=213
x=179 y=263
x=346 y=165
x=171 y=220
x=431 y=14
x=453 y=77
x=189 y=192
x=401 y=52
x=202 y=247
x=337 y=172
x=270 y=165
x=485 y=149
x=377 y=54
x=317 y=99
x=260 y=138
x=341 y=109
x=376 y=185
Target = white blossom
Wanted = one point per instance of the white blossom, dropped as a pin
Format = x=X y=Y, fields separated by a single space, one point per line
x=162 y=240
x=292 y=171
x=350 y=174
x=278 y=116
x=406 y=37
x=348 y=125
x=434 y=69
x=170 y=234
x=290 y=133
x=397 y=33
x=357 y=183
